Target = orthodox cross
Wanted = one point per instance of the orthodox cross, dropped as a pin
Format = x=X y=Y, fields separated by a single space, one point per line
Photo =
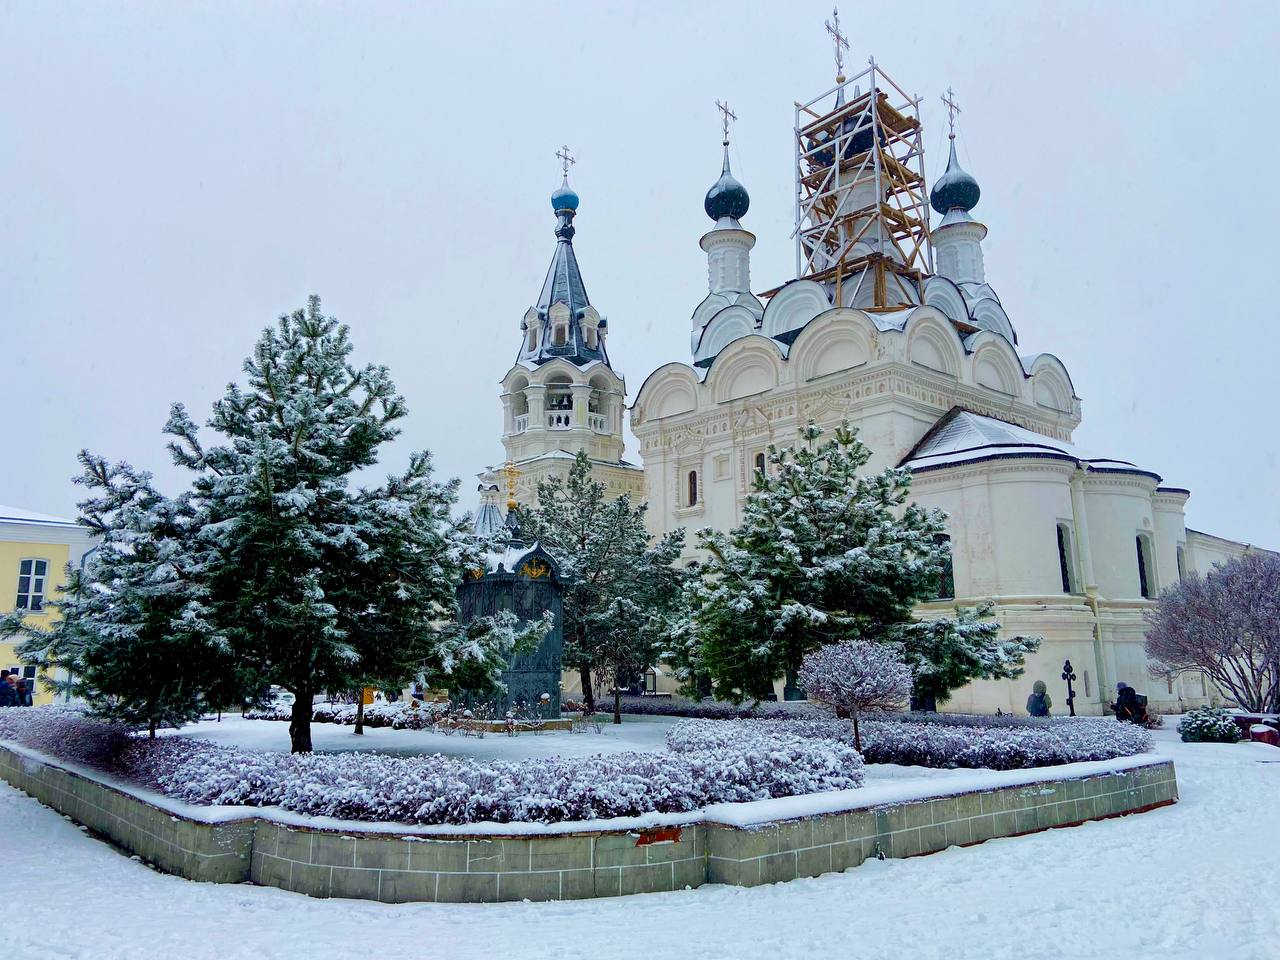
x=838 y=39
x=952 y=109
x=728 y=115
x=566 y=159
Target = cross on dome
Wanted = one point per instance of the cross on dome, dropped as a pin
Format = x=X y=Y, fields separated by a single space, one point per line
x=728 y=115
x=839 y=41
x=952 y=109
x=566 y=159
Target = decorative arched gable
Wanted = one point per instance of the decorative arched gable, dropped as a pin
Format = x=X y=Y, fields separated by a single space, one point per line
x=670 y=390
x=1051 y=384
x=932 y=342
x=748 y=366
x=837 y=340
x=942 y=294
x=995 y=364
x=793 y=306
x=730 y=324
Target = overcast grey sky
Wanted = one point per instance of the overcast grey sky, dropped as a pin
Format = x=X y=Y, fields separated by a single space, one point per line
x=175 y=175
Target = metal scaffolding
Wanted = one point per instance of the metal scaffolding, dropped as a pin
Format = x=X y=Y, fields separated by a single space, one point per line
x=862 y=207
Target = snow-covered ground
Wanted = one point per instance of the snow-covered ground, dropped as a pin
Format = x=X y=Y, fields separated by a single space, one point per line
x=634 y=733
x=1194 y=880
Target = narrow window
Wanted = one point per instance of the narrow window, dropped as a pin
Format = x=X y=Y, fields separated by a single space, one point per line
x=533 y=338
x=693 y=488
x=1204 y=687
x=1087 y=691
x=1144 y=581
x=1182 y=563
x=32 y=574
x=760 y=464
x=561 y=334
x=946 y=577
x=1065 y=566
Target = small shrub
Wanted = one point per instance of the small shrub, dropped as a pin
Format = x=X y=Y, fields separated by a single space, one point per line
x=1207 y=725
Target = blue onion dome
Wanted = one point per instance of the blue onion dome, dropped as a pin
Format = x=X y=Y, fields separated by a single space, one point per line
x=955 y=188
x=727 y=197
x=564 y=198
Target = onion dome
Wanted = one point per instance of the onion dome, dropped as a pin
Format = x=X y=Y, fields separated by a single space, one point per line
x=564 y=198
x=955 y=189
x=727 y=197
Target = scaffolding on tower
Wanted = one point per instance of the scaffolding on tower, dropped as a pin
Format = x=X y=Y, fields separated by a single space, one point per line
x=862 y=206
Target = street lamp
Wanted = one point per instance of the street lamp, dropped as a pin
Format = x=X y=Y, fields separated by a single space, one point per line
x=1068 y=675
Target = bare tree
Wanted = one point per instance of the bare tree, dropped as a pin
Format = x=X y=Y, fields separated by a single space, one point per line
x=857 y=676
x=1227 y=624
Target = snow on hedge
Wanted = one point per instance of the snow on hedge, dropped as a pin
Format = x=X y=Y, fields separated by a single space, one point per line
x=997 y=743
x=729 y=767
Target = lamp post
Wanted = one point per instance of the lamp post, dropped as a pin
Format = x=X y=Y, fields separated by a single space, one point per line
x=1069 y=675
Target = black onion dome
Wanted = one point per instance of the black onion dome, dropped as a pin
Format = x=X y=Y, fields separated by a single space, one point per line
x=955 y=188
x=727 y=197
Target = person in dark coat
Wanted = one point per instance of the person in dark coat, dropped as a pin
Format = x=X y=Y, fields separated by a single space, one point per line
x=8 y=692
x=1038 y=703
x=24 y=692
x=1129 y=706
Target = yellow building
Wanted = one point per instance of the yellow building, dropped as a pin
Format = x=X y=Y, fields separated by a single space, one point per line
x=34 y=552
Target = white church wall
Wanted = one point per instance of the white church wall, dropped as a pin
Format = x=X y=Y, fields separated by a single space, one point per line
x=1119 y=509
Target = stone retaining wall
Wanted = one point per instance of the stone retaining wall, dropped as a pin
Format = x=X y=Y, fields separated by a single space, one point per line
x=406 y=867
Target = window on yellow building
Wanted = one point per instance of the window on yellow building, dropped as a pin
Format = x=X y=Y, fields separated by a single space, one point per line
x=32 y=574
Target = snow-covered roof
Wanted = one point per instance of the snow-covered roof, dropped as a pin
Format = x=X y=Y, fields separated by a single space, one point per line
x=962 y=436
x=19 y=515
x=510 y=559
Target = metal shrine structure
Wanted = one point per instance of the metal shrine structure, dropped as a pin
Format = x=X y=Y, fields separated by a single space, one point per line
x=862 y=205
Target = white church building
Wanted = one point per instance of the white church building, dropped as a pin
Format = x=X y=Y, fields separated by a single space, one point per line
x=891 y=324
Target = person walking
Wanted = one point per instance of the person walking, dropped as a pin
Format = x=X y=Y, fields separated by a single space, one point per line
x=1039 y=703
x=24 y=691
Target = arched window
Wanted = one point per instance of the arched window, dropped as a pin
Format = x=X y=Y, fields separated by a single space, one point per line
x=1146 y=583
x=1182 y=563
x=693 y=489
x=760 y=464
x=946 y=589
x=1065 y=565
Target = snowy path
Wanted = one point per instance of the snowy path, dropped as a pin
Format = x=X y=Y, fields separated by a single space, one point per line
x=1195 y=880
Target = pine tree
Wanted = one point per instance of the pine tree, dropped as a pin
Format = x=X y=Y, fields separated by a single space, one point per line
x=133 y=640
x=826 y=554
x=605 y=557
x=315 y=585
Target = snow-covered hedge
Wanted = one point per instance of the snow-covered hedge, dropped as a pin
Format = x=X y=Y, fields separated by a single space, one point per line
x=401 y=715
x=931 y=742
x=753 y=764
x=1207 y=725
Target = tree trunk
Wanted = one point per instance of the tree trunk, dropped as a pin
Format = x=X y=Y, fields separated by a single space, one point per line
x=857 y=735
x=151 y=728
x=588 y=695
x=360 y=712
x=617 y=702
x=300 y=724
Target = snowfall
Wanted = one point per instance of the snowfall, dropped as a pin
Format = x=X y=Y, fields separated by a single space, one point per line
x=1197 y=879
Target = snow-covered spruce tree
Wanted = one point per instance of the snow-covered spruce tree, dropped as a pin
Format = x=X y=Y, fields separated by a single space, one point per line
x=825 y=554
x=1226 y=624
x=605 y=555
x=857 y=676
x=133 y=638
x=315 y=585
